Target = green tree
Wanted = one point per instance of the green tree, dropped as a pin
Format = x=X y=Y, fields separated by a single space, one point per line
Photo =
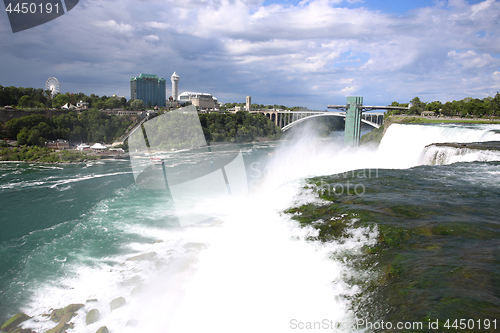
x=25 y=101
x=417 y=106
x=447 y=110
x=434 y=106
x=495 y=105
x=23 y=136
x=137 y=104
x=112 y=103
x=59 y=100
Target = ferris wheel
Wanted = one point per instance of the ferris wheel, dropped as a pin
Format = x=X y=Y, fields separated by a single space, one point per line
x=53 y=85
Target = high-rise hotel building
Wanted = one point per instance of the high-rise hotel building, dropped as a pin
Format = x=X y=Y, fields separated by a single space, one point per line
x=148 y=88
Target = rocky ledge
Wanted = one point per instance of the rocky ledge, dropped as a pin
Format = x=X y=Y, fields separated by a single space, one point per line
x=487 y=145
x=62 y=317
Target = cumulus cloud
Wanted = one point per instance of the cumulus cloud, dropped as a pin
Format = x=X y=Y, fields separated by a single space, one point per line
x=158 y=25
x=113 y=25
x=470 y=59
x=481 y=6
x=151 y=38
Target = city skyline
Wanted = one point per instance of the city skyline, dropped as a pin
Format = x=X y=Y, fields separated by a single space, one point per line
x=289 y=52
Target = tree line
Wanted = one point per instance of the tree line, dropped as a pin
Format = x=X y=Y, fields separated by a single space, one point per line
x=237 y=127
x=88 y=126
x=180 y=130
x=474 y=107
x=32 y=98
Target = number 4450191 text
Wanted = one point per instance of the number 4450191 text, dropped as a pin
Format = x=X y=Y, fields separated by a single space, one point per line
x=32 y=8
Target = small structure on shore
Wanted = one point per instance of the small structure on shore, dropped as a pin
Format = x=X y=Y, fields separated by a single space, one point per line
x=82 y=146
x=57 y=144
x=98 y=147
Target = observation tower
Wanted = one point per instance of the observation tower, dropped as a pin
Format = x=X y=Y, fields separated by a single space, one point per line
x=175 y=86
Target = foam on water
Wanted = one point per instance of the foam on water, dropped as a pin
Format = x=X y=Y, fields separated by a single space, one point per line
x=408 y=141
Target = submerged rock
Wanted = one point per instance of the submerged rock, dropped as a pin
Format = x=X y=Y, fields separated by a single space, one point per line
x=73 y=307
x=137 y=290
x=23 y=330
x=103 y=329
x=60 y=328
x=58 y=314
x=117 y=303
x=145 y=256
x=132 y=281
x=92 y=316
x=486 y=145
x=10 y=324
x=66 y=317
x=132 y=323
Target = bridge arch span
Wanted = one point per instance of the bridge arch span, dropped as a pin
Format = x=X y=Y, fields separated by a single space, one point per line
x=330 y=114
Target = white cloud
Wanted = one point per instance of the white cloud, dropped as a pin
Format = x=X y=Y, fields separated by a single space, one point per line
x=112 y=25
x=349 y=90
x=470 y=59
x=481 y=6
x=496 y=76
x=151 y=38
x=158 y=25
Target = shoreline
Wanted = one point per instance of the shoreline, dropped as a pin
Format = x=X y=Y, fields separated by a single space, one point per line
x=85 y=158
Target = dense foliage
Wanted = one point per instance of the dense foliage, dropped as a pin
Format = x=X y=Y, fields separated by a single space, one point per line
x=24 y=97
x=181 y=130
x=42 y=154
x=473 y=107
x=237 y=127
x=32 y=98
x=374 y=136
x=89 y=126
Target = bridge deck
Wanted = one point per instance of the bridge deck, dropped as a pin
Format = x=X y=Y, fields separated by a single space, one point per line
x=368 y=107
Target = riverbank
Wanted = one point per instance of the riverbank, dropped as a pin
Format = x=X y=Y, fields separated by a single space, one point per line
x=44 y=155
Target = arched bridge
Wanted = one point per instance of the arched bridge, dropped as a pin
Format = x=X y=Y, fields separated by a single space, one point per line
x=353 y=112
x=287 y=119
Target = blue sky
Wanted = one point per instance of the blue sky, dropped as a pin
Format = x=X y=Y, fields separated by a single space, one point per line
x=296 y=53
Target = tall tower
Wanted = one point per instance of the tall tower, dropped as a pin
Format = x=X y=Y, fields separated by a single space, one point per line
x=175 y=86
x=354 y=109
x=249 y=103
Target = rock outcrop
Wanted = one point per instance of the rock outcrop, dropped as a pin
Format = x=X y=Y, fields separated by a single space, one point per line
x=92 y=316
x=103 y=329
x=117 y=303
x=12 y=323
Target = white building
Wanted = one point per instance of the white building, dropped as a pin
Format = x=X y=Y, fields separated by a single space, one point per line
x=202 y=100
x=175 y=86
x=82 y=105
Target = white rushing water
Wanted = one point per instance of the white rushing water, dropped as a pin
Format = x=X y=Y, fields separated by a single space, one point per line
x=251 y=268
x=409 y=141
